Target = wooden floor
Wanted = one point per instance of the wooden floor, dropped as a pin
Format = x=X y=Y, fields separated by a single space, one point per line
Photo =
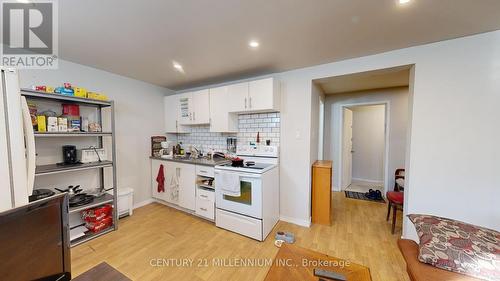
x=359 y=233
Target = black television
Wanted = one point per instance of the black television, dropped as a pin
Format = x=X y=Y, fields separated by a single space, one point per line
x=34 y=241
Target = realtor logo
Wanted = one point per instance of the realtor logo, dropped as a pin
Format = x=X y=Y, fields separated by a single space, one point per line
x=29 y=34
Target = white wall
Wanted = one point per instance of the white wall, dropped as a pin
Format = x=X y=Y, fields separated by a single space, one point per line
x=316 y=124
x=454 y=151
x=368 y=143
x=397 y=99
x=139 y=115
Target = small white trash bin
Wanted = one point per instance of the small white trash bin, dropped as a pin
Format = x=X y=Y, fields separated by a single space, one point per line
x=125 y=202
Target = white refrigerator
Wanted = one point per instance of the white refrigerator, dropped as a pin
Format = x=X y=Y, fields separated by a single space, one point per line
x=17 y=143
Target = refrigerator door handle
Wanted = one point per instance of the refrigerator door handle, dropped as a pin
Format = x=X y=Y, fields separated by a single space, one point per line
x=29 y=137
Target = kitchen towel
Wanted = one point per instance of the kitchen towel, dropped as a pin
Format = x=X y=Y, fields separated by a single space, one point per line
x=229 y=183
x=160 y=179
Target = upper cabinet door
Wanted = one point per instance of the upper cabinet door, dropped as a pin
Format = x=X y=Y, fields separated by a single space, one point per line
x=170 y=106
x=237 y=97
x=201 y=107
x=184 y=109
x=263 y=95
x=220 y=118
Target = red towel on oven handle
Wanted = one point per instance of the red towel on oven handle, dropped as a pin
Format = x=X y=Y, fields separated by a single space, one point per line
x=160 y=179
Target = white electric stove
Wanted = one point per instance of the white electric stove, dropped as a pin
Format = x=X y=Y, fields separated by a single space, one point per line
x=255 y=212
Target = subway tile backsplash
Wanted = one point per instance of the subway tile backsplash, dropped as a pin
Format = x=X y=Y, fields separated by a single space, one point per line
x=266 y=124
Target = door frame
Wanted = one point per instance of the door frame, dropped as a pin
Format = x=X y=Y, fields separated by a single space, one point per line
x=343 y=110
x=340 y=124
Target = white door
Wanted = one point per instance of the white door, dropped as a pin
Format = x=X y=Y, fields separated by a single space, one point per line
x=5 y=199
x=261 y=94
x=170 y=106
x=238 y=97
x=220 y=118
x=184 y=110
x=201 y=107
x=347 y=149
x=21 y=180
x=187 y=186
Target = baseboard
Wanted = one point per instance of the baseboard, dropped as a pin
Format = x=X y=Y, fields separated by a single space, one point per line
x=144 y=203
x=305 y=223
x=300 y=222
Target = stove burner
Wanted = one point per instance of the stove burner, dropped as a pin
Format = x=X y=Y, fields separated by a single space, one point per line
x=80 y=200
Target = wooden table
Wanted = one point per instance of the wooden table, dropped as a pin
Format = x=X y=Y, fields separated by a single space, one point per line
x=295 y=263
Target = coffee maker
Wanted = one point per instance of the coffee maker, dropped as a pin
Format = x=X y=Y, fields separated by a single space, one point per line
x=69 y=154
x=164 y=151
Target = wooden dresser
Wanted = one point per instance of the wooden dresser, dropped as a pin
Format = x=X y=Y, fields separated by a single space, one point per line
x=321 y=192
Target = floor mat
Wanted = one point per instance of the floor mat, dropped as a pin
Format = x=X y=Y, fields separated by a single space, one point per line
x=361 y=196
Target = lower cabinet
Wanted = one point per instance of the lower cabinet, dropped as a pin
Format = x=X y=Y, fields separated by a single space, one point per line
x=171 y=182
x=205 y=203
x=180 y=187
x=187 y=185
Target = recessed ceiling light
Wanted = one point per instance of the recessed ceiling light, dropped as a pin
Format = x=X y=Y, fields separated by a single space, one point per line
x=404 y=1
x=178 y=66
x=253 y=44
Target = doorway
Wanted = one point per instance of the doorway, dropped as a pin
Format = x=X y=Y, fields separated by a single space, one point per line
x=391 y=89
x=364 y=138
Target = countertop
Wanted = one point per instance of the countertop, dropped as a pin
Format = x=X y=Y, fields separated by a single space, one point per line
x=201 y=161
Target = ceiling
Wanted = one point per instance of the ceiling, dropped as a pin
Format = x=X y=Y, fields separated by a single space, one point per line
x=141 y=39
x=369 y=80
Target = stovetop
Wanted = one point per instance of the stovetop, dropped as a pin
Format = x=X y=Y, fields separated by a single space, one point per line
x=249 y=165
x=256 y=168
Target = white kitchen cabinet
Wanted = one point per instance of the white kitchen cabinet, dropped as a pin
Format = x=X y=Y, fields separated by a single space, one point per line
x=172 y=114
x=263 y=95
x=237 y=97
x=184 y=108
x=170 y=107
x=187 y=185
x=201 y=107
x=193 y=108
x=180 y=183
x=254 y=96
x=221 y=120
x=172 y=173
x=205 y=203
